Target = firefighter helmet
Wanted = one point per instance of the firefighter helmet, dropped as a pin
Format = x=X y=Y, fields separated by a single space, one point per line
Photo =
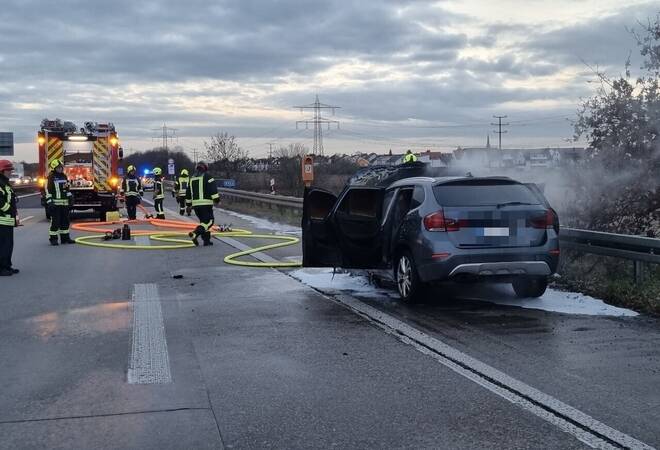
x=201 y=167
x=5 y=164
x=54 y=164
x=157 y=171
x=184 y=173
x=130 y=168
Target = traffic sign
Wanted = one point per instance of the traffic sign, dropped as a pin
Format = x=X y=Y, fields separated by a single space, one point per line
x=170 y=169
x=170 y=161
x=7 y=144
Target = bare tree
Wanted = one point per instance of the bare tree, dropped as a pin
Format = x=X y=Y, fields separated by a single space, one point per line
x=224 y=154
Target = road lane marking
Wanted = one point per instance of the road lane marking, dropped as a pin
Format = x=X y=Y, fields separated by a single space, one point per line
x=149 y=360
x=25 y=219
x=28 y=195
x=570 y=420
x=142 y=240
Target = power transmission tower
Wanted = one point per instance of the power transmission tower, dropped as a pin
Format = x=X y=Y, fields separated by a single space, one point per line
x=270 y=149
x=167 y=134
x=499 y=131
x=318 y=120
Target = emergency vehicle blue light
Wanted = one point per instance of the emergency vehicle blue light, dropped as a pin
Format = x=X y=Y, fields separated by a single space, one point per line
x=146 y=171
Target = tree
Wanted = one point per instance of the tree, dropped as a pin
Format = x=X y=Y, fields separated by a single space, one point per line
x=289 y=173
x=621 y=123
x=224 y=155
x=158 y=157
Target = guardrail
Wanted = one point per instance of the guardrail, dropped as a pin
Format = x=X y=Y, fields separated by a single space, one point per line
x=25 y=187
x=280 y=200
x=638 y=249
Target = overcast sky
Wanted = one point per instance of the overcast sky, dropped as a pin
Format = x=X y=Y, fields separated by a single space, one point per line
x=411 y=73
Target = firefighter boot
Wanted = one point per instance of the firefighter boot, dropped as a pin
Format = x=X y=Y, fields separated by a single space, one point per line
x=53 y=240
x=207 y=238
x=66 y=239
x=196 y=233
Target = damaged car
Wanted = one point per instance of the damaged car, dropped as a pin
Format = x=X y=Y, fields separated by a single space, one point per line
x=420 y=230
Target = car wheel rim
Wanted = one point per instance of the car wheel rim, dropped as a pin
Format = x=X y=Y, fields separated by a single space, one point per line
x=404 y=276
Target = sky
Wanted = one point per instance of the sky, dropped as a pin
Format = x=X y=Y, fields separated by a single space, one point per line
x=405 y=74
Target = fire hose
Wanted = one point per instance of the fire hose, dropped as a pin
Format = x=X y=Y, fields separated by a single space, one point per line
x=173 y=239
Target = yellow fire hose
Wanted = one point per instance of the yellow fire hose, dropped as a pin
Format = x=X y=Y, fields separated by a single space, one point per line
x=174 y=242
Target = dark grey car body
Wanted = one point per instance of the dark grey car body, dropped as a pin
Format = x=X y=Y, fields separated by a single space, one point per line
x=449 y=228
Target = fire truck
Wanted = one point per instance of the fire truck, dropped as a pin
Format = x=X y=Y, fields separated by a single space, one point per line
x=91 y=157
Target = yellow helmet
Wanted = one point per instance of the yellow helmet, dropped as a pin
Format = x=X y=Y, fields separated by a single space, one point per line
x=130 y=168
x=54 y=164
x=184 y=173
x=157 y=171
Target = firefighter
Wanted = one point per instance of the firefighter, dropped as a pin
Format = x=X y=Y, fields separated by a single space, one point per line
x=159 y=194
x=131 y=188
x=8 y=219
x=179 y=191
x=201 y=195
x=409 y=157
x=58 y=202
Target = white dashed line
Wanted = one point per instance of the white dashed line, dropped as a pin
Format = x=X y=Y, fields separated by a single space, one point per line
x=149 y=360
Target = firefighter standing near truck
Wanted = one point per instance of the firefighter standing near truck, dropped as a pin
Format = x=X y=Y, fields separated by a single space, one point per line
x=8 y=219
x=131 y=188
x=58 y=202
x=201 y=195
x=159 y=193
x=179 y=192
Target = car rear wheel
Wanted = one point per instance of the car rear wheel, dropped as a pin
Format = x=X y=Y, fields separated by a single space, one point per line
x=408 y=283
x=530 y=286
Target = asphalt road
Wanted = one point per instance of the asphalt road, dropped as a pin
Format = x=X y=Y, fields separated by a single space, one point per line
x=252 y=358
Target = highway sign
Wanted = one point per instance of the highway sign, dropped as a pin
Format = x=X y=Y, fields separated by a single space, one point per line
x=6 y=144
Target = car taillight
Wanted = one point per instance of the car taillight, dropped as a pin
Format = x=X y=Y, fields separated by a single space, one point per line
x=547 y=220
x=438 y=222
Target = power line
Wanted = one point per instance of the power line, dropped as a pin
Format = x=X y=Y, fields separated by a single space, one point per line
x=318 y=120
x=167 y=134
x=499 y=124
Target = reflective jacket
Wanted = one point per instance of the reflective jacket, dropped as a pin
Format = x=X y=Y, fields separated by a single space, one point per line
x=57 y=189
x=202 y=190
x=131 y=186
x=181 y=186
x=409 y=157
x=7 y=203
x=158 y=188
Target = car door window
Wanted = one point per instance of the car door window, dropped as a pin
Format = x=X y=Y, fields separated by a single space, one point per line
x=387 y=200
x=417 y=197
x=401 y=206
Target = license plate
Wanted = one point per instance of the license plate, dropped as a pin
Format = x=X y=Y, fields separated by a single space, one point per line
x=496 y=231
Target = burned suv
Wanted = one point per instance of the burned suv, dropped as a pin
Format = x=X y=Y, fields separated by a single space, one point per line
x=422 y=230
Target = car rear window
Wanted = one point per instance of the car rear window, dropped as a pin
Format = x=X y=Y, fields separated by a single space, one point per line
x=482 y=193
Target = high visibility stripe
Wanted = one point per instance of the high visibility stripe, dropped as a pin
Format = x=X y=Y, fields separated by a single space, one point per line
x=101 y=154
x=64 y=231
x=5 y=207
x=54 y=150
x=202 y=202
x=7 y=221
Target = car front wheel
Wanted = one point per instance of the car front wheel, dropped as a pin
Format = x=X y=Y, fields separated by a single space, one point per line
x=407 y=282
x=530 y=286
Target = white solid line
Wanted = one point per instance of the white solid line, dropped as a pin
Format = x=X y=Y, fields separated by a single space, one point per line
x=28 y=195
x=25 y=219
x=149 y=362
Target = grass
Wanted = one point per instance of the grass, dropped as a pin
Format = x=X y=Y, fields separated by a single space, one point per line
x=611 y=280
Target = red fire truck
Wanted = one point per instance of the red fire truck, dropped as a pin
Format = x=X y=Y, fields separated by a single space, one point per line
x=91 y=158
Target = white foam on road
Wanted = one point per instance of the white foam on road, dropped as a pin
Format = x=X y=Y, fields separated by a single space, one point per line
x=553 y=300
x=264 y=223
